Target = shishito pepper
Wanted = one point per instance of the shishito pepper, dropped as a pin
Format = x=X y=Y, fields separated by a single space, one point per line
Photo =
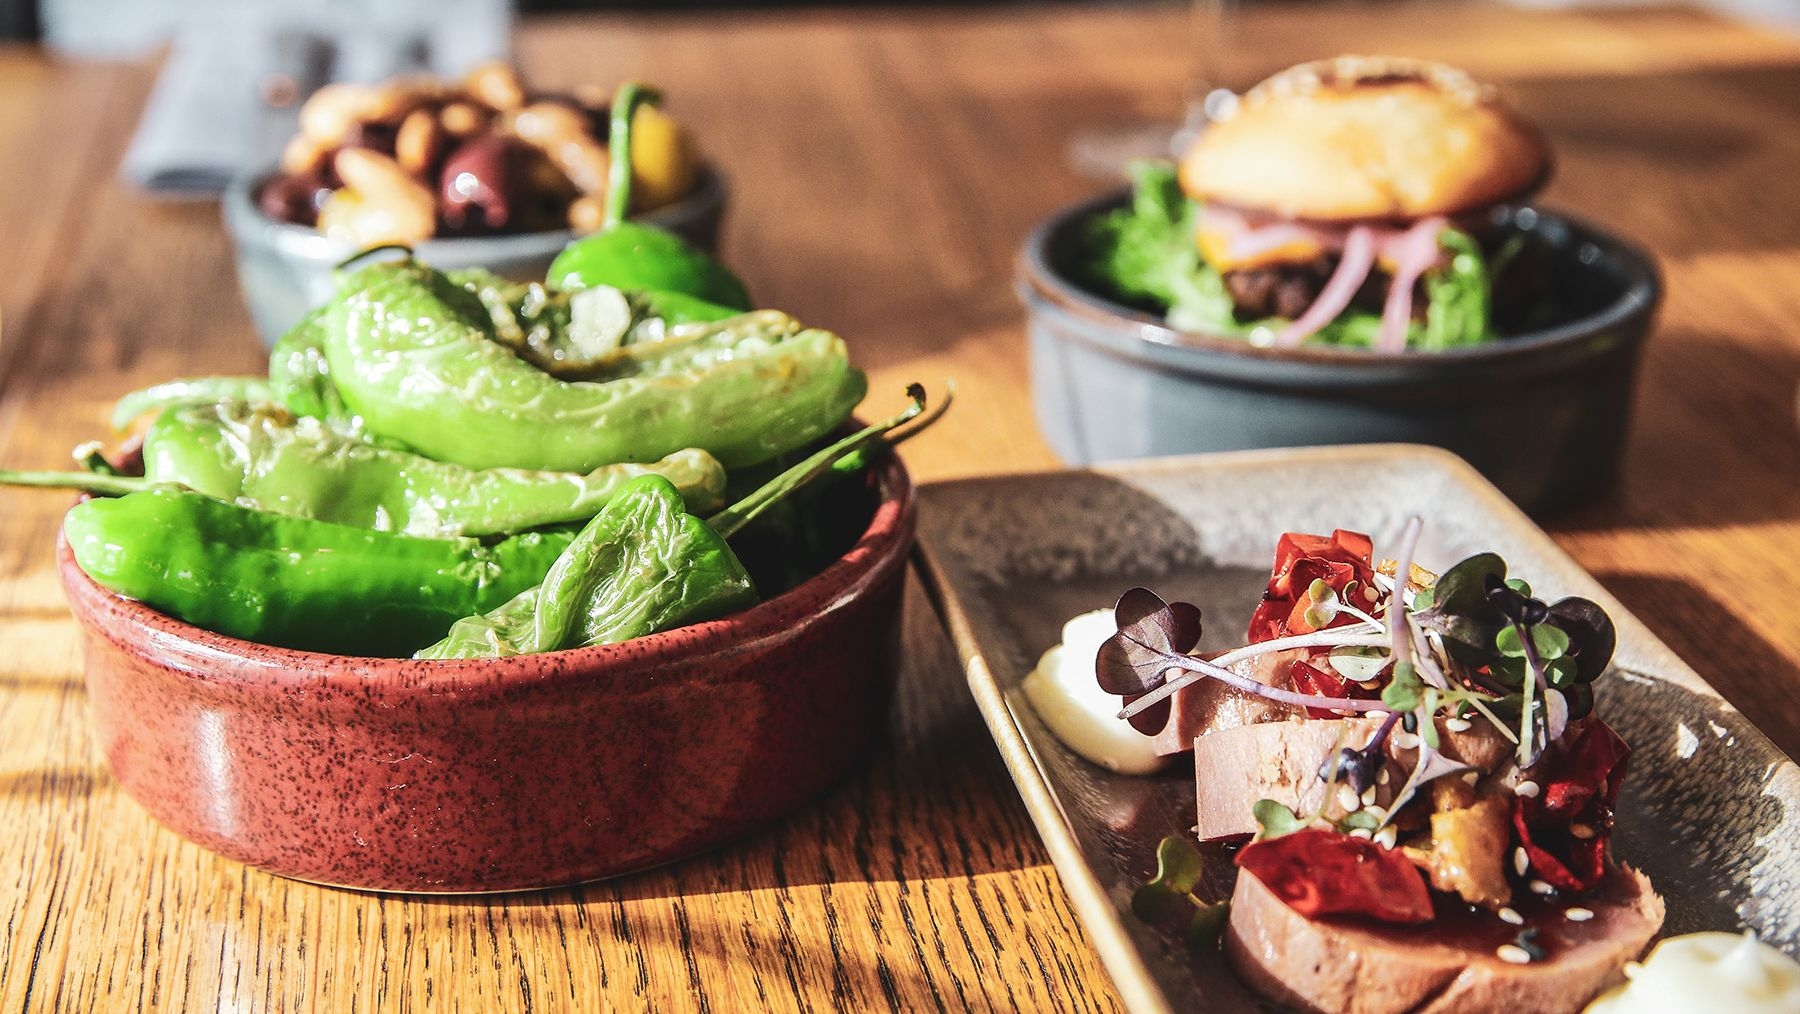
x=646 y=563
x=294 y=582
x=746 y=389
x=262 y=456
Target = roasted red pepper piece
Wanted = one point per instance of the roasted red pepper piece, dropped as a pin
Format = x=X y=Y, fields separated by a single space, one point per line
x=1310 y=679
x=1319 y=872
x=1300 y=559
x=1578 y=786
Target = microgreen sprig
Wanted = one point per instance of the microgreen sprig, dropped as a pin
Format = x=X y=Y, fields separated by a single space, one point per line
x=1170 y=895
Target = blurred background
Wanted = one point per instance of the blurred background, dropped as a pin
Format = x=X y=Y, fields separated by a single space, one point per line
x=233 y=73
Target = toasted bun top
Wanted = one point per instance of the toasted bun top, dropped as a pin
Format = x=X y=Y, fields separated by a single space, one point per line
x=1360 y=138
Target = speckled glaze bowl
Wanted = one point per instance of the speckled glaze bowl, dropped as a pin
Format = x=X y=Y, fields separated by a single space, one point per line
x=285 y=270
x=525 y=772
x=1543 y=414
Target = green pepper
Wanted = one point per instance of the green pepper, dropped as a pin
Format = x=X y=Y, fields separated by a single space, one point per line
x=294 y=582
x=262 y=457
x=645 y=564
x=193 y=391
x=746 y=389
x=300 y=378
x=631 y=255
x=304 y=468
x=642 y=564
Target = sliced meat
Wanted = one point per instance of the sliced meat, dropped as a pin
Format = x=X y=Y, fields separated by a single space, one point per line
x=1451 y=964
x=1203 y=707
x=1234 y=766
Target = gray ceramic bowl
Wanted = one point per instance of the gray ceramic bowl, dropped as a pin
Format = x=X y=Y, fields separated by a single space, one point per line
x=1543 y=413
x=285 y=269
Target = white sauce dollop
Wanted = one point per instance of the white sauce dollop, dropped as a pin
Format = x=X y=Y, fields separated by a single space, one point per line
x=1707 y=972
x=1063 y=692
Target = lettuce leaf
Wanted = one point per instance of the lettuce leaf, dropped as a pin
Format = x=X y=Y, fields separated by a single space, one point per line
x=1144 y=254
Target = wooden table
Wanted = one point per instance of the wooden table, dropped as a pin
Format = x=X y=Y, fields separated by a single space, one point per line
x=885 y=166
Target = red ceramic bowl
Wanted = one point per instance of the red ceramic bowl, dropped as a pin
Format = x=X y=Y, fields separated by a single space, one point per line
x=533 y=771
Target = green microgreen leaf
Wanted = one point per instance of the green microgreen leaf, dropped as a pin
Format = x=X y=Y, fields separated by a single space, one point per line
x=1562 y=673
x=1518 y=584
x=1359 y=663
x=1509 y=643
x=1178 y=864
x=1428 y=730
x=1403 y=691
x=1207 y=925
x=1156 y=904
x=1423 y=599
x=1274 y=820
x=1359 y=819
x=1551 y=642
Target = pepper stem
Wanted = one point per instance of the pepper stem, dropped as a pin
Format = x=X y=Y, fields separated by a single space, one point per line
x=732 y=520
x=86 y=482
x=630 y=95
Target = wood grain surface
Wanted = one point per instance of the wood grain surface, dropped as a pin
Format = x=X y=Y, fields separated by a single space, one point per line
x=885 y=166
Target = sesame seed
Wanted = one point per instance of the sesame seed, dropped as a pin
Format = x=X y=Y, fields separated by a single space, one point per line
x=1383 y=778
x=1582 y=831
x=1521 y=861
x=1471 y=777
x=1578 y=914
x=1361 y=832
x=1512 y=916
x=1539 y=887
x=1513 y=954
x=1348 y=799
x=1457 y=724
x=1528 y=789
x=1387 y=836
x=1406 y=740
x=1368 y=796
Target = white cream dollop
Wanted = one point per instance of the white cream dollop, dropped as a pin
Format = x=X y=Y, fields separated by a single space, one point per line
x=1063 y=692
x=1706 y=972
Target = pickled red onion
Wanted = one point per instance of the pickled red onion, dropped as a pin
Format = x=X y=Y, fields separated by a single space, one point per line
x=1411 y=253
x=1352 y=270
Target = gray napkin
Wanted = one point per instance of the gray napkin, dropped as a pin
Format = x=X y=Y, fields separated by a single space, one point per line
x=210 y=119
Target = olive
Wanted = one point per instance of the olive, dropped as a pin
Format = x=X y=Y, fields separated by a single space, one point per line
x=478 y=188
x=295 y=197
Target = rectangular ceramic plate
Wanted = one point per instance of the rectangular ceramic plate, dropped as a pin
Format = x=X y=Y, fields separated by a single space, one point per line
x=1711 y=810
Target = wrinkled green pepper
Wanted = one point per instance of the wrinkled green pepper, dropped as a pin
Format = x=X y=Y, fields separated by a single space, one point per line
x=263 y=457
x=745 y=389
x=631 y=255
x=294 y=582
x=642 y=564
x=549 y=328
x=645 y=564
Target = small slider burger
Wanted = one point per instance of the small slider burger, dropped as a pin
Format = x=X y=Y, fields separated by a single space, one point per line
x=1332 y=184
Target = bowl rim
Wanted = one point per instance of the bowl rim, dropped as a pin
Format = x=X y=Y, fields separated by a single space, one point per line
x=1039 y=282
x=242 y=215
x=624 y=667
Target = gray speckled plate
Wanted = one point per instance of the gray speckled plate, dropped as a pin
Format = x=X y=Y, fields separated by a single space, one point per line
x=1711 y=810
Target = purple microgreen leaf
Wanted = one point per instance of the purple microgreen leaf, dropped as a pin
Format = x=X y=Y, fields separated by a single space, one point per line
x=1152 y=719
x=1591 y=635
x=1133 y=660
